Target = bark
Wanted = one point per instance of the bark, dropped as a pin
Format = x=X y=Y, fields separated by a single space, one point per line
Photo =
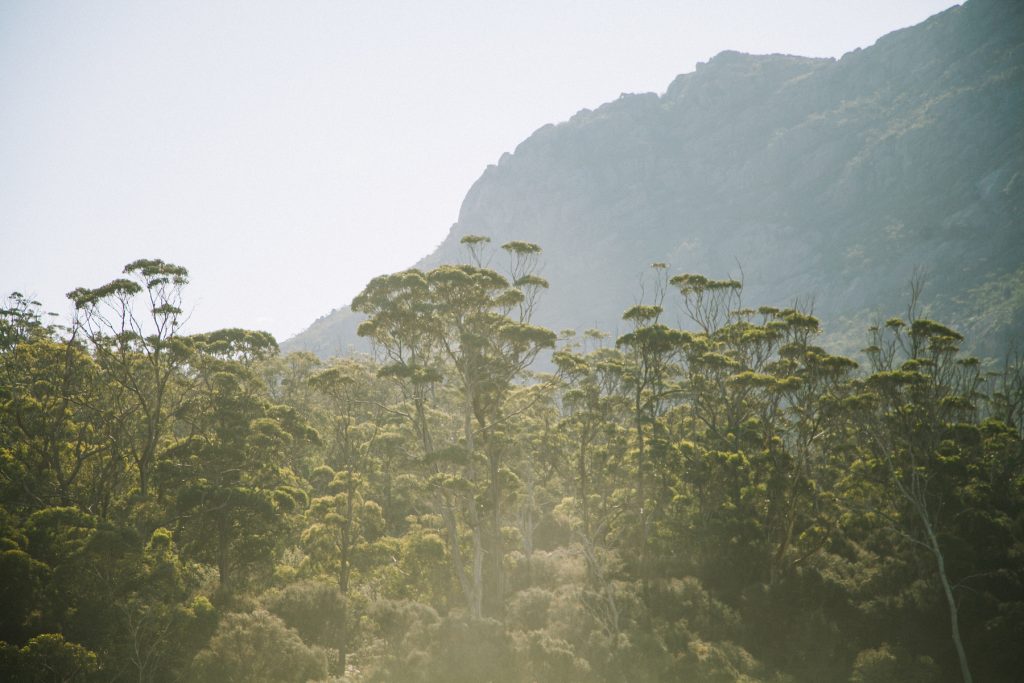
x=954 y=619
x=498 y=549
x=223 y=540
x=448 y=513
x=344 y=570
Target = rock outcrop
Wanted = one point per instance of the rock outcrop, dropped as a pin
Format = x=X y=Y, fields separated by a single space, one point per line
x=823 y=181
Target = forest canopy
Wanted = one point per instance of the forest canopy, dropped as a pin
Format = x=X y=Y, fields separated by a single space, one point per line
x=711 y=496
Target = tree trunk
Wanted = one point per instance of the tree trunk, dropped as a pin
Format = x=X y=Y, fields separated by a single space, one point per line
x=498 y=549
x=448 y=513
x=344 y=570
x=476 y=607
x=581 y=467
x=222 y=552
x=640 y=492
x=477 y=590
x=954 y=620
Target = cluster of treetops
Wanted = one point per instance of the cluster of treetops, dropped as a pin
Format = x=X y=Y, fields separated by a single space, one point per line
x=725 y=502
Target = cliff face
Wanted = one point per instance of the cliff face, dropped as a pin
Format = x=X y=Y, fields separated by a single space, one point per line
x=824 y=181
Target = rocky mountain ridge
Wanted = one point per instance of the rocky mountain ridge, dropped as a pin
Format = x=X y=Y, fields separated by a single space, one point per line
x=823 y=181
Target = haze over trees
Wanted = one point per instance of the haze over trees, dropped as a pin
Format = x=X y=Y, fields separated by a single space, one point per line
x=725 y=501
x=708 y=485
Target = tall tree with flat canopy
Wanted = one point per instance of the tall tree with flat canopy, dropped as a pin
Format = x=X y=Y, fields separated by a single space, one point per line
x=453 y=324
x=917 y=470
x=650 y=348
x=133 y=326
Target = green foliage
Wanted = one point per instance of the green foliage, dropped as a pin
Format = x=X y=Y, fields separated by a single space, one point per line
x=258 y=647
x=21 y=593
x=883 y=665
x=48 y=658
x=315 y=609
x=728 y=503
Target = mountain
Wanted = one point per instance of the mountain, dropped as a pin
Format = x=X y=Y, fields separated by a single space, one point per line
x=819 y=181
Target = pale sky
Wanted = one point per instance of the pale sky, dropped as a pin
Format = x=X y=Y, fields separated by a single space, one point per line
x=287 y=152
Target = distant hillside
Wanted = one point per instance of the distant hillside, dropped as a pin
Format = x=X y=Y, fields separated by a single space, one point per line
x=827 y=181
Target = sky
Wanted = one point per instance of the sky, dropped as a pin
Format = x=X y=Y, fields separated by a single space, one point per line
x=287 y=152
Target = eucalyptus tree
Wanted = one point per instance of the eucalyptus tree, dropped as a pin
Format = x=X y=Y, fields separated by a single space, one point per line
x=711 y=305
x=401 y=326
x=596 y=425
x=452 y=326
x=913 y=422
x=343 y=518
x=133 y=327
x=716 y=492
x=1006 y=398
x=52 y=391
x=21 y=320
x=287 y=379
x=800 y=388
x=532 y=472
x=228 y=470
x=651 y=350
x=776 y=403
x=59 y=413
x=591 y=400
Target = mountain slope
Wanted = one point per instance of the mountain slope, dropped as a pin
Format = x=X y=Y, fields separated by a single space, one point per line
x=824 y=181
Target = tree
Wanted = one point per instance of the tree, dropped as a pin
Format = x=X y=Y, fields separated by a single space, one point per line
x=52 y=400
x=342 y=519
x=651 y=348
x=232 y=486
x=919 y=389
x=136 y=345
x=163 y=622
x=453 y=324
x=259 y=648
x=48 y=658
